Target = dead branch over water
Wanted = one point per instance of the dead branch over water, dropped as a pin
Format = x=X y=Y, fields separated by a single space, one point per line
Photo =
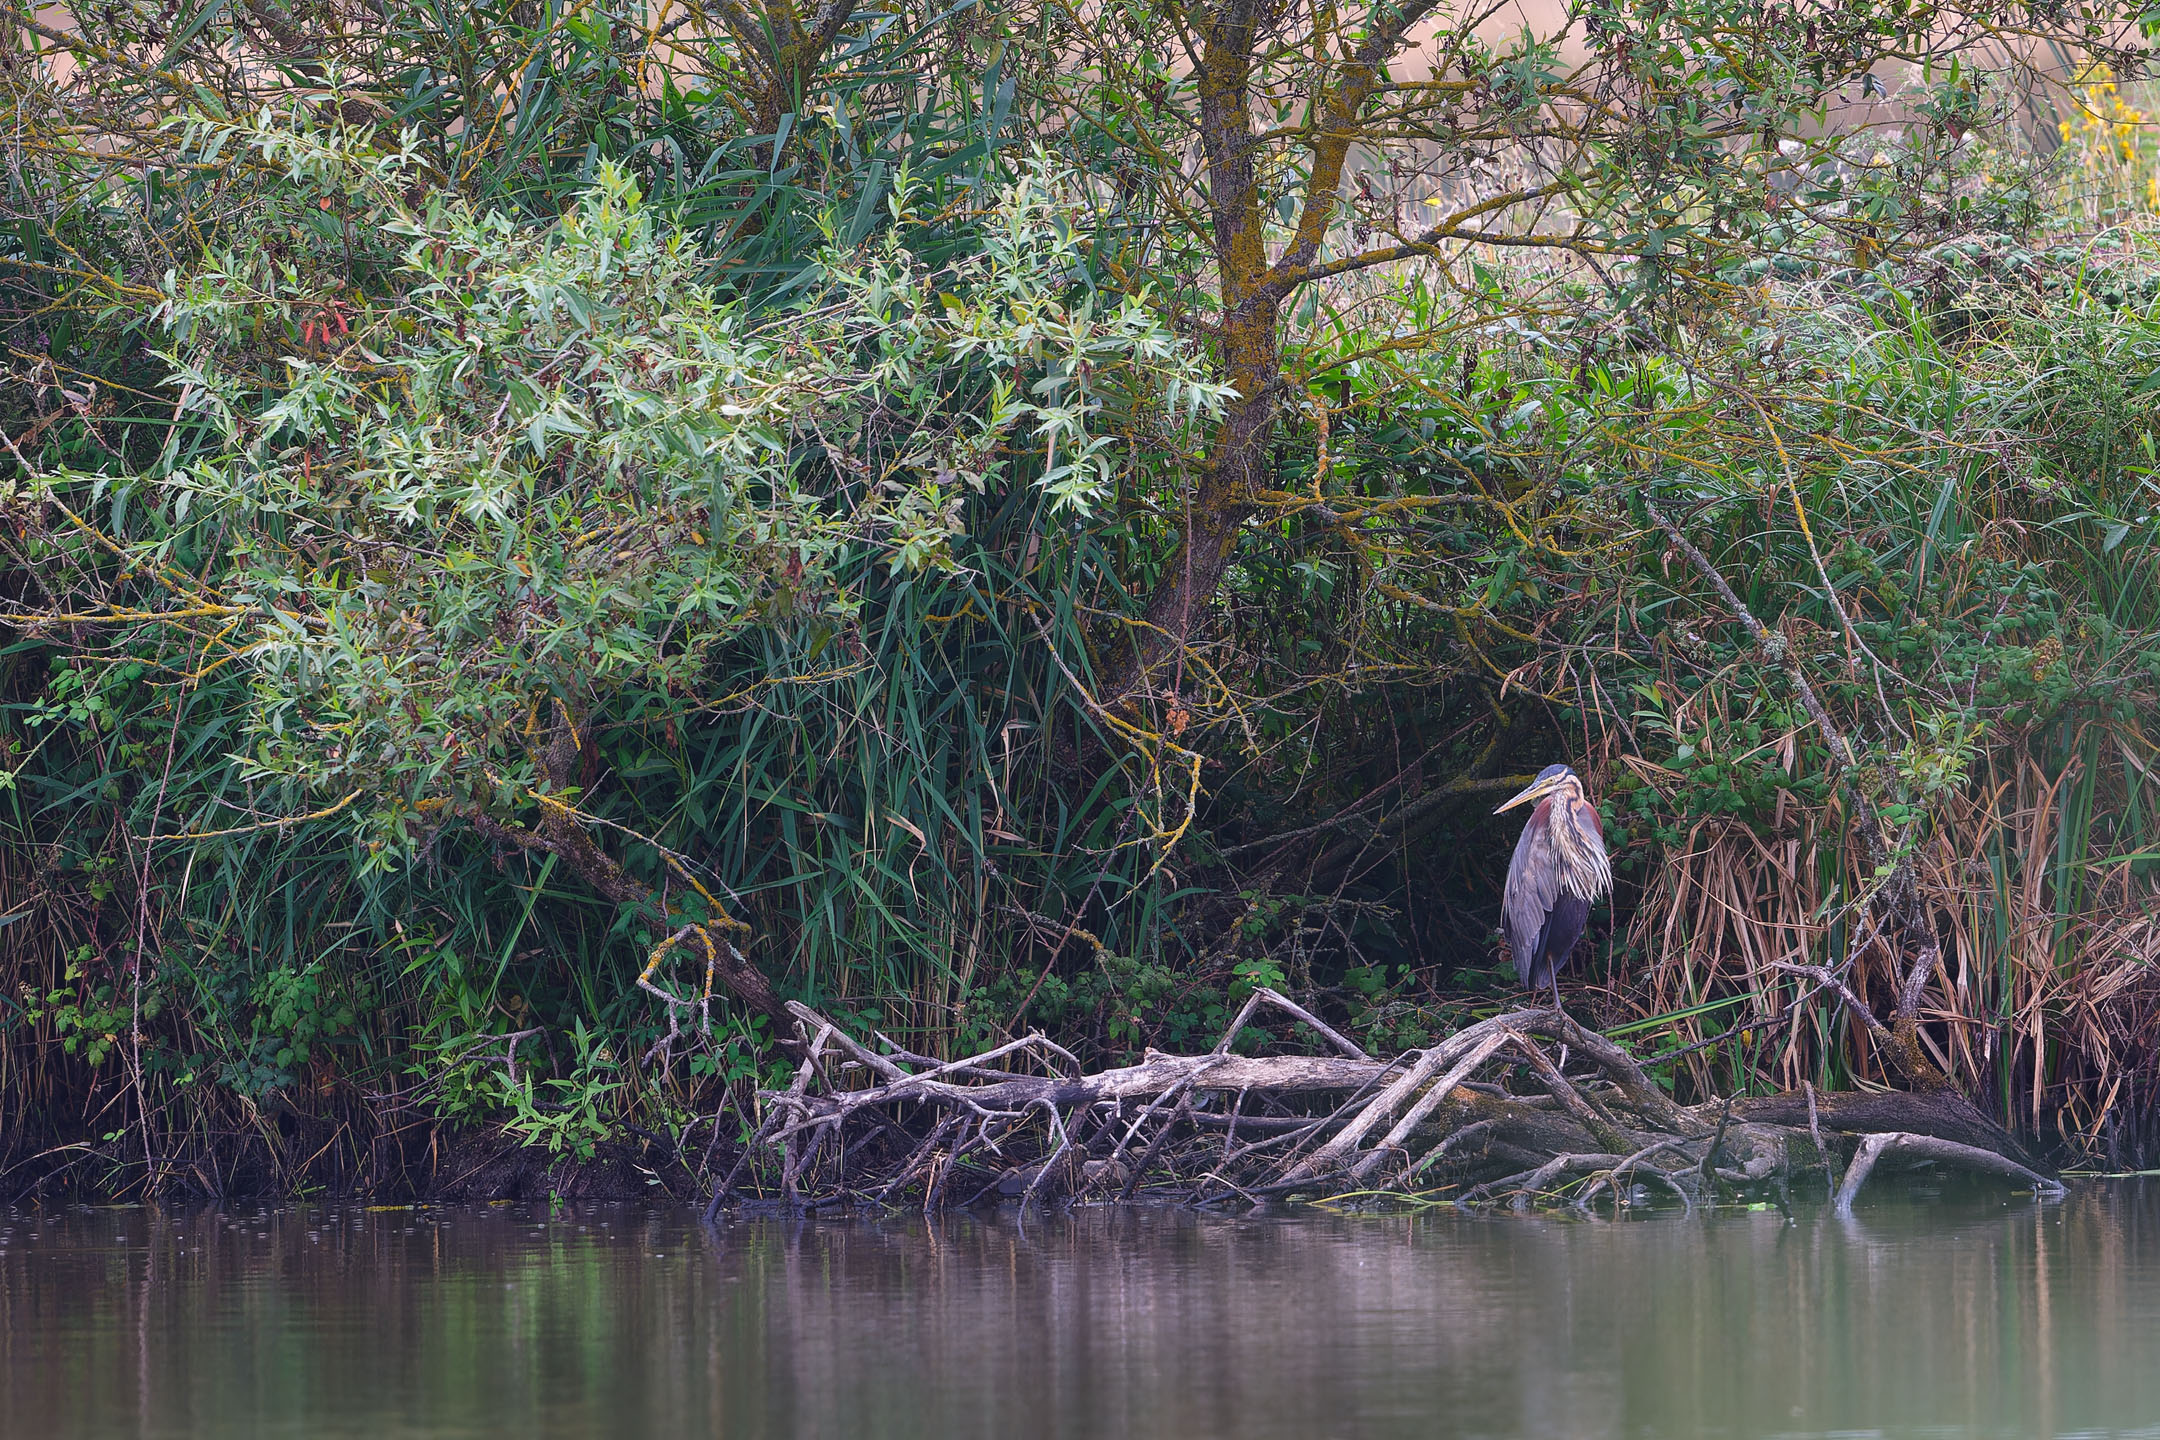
x=1526 y=1108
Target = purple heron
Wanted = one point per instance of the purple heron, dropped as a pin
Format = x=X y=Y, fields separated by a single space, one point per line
x=1558 y=871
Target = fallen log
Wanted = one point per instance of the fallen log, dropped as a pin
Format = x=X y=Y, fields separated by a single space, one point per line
x=1944 y=1115
x=1527 y=1108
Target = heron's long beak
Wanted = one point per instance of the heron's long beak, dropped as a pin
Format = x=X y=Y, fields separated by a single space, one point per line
x=1536 y=791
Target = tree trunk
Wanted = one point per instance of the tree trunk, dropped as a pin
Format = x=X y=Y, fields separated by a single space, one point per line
x=1237 y=468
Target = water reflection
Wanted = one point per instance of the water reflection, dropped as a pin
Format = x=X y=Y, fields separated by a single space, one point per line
x=1966 y=1316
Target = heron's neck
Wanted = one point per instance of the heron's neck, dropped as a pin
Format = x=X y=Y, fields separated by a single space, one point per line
x=1584 y=870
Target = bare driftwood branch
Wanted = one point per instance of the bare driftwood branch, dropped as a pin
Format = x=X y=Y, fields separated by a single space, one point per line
x=1396 y=1140
x=1327 y=1159
x=1158 y=1073
x=1638 y=1089
x=1482 y=1115
x=1283 y=1002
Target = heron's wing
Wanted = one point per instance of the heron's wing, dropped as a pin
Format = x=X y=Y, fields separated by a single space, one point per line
x=1533 y=884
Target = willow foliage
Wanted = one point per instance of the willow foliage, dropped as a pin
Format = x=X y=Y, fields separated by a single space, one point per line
x=542 y=473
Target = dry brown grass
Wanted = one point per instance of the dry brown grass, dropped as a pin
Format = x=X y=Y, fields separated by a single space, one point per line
x=2048 y=995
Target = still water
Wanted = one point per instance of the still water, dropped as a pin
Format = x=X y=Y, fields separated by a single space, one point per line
x=1950 y=1316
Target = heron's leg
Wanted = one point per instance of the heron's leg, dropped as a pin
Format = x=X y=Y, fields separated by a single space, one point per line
x=1554 y=976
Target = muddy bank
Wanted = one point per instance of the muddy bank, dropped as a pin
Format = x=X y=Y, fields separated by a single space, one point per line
x=413 y=1164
